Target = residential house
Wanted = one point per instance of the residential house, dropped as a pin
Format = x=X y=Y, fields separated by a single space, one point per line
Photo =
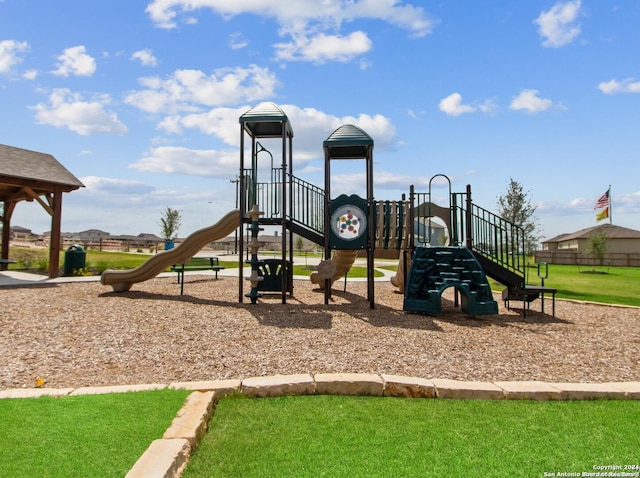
x=622 y=247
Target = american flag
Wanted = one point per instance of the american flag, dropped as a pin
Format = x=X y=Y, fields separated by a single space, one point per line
x=603 y=201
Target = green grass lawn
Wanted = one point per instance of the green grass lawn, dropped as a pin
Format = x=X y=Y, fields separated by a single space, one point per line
x=370 y=437
x=612 y=285
x=92 y=435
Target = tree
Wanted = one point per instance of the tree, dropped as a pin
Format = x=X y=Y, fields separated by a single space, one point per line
x=516 y=207
x=170 y=221
x=596 y=246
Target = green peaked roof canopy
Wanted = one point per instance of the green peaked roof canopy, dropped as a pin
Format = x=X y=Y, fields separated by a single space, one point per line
x=266 y=121
x=348 y=142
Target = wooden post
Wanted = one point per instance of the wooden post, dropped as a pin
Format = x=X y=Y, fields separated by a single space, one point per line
x=6 y=230
x=55 y=244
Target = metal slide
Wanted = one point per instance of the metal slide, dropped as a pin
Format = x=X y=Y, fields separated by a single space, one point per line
x=122 y=280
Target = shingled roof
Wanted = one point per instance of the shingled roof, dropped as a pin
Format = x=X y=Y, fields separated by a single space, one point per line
x=613 y=232
x=31 y=176
x=21 y=167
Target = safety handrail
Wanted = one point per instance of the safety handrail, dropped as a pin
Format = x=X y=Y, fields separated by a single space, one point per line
x=267 y=195
x=307 y=204
x=481 y=230
x=495 y=238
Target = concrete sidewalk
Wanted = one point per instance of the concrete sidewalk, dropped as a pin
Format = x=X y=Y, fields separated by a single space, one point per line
x=16 y=278
x=26 y=279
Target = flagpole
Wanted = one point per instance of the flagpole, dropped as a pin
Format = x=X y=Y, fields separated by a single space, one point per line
x=610 y=209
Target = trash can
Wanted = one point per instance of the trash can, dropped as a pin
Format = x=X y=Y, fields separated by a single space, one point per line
x=75 y=258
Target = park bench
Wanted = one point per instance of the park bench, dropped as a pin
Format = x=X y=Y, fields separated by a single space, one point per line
x=530 y=293
x=4 y=264
x=196 y=264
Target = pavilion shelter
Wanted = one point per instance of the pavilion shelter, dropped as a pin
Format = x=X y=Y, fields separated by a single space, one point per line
x=31 y=176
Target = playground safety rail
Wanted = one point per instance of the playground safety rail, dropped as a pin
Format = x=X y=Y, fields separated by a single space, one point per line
x=486 y=233
x=266 y=194
x=498 y=239
x=307 y=204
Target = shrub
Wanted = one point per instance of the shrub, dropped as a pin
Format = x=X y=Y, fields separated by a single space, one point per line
x=84 y=271
x=42 y=263
x=27 y=259
x=101 y=266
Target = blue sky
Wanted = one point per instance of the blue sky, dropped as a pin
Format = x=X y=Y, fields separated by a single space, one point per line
x=140 y=100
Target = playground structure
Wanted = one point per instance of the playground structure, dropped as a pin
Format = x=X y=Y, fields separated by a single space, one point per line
x=480 y=244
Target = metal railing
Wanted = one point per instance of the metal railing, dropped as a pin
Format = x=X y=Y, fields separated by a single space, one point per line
x=267 y=195
x=307 y=204
x=496 y=238
x=486 y=233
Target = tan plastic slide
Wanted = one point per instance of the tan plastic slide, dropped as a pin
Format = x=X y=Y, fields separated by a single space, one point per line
x=343 y=260
x=398 y=279
x=122 y=280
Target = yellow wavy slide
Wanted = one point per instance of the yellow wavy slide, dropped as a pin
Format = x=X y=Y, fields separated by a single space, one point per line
x=122 y=280
x=343 y=259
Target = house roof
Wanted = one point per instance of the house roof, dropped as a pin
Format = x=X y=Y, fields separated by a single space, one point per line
x=19 y=229
x=93 y=231
x=22 y=163
x=612 y=231
x=147 y=236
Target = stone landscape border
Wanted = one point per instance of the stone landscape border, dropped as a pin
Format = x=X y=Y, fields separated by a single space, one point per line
x=168 y=456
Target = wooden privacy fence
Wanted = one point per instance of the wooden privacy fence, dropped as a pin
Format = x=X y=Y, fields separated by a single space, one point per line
x=577 y=258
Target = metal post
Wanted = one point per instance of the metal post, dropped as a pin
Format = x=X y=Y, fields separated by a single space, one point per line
x=468 y=219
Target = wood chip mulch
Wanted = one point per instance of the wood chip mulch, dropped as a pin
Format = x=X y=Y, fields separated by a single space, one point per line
x=83 y=334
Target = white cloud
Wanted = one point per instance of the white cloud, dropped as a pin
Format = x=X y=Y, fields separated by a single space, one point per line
x=100 y=185
x=75 y=61
x=314 y=26
x=378 y=126
x=488 y=106
x=386 y=180
x=452 y=105
x=146 y=57
x=322 y=48
x=613 y=87
x=180 y=160
x=164 y=13
x=190 y=90
x=9 y=54
x=529 y=101
x=71 y=111
x=219 y=122
x=237 y=41
x=558 y=26
x=364 y=64
x=312 y=127
x=30 y=74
